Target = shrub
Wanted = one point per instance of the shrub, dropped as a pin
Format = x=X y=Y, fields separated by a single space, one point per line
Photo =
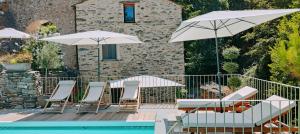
x=230 y=67
x=181 y=93
x=234 y=82
x=231 y=53
x=23 y=57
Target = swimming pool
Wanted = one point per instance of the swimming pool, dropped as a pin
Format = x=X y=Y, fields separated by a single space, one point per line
x=77 y=127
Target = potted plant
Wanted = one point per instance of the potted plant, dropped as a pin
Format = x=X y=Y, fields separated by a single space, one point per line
x=19 y=62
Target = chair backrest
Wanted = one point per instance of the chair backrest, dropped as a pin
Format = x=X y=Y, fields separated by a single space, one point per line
x=272 y=107
x=64 y=90
x=240 y=94
x=130 y=90
x=95 y=91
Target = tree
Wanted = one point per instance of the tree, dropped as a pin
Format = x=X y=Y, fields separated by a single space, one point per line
x=35 y=46
x=45 y=55
x=231 y=54
x=48 y=58
x=285 y=55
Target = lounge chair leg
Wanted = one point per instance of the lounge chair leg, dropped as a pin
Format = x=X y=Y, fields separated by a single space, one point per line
x=79 y=107
x=63 y=108
x=44 y=110
x=98 y=106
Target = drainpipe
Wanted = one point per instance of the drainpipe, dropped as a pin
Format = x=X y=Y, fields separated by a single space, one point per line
x=75 y=28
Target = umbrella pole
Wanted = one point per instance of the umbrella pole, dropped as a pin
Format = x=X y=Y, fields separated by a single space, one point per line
x=218 y=64
x=98 y=61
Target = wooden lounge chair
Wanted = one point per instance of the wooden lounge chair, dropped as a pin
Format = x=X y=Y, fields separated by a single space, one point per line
x=129 y=100
x=262 y=117
x=61 y=93
x=93 y=94
x=244 y=93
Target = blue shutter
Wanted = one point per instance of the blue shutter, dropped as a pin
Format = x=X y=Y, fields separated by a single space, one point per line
x=109 y=52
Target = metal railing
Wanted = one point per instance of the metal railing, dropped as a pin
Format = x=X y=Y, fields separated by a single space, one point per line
x=195 y=87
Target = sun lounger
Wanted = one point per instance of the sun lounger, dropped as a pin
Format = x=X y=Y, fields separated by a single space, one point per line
x=244 y=93
x=263 y=117
x=93 y=94
x=129 y=100
x=61 y=93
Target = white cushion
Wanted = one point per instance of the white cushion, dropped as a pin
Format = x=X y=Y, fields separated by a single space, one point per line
x=229 y=100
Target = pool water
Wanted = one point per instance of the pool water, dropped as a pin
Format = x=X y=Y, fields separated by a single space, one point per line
x=77 y=127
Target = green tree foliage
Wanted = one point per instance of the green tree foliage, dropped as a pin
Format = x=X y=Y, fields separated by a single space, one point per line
x=285 y=55
x=48 y=58
x=39 y=49
x=230 y=67
x=231 y=53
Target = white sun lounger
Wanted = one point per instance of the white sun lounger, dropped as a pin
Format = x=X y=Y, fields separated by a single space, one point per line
x=129 y=100
x=61 y=93
x=214 y=104
x=93 y=94
x=255 y=119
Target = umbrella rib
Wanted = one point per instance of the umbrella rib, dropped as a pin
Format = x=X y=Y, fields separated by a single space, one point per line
x=231 y=24
x=203 y=27
x=226 y=27
x=188 y=27
x=222 y=24
x=212 y=24
x=246 y=21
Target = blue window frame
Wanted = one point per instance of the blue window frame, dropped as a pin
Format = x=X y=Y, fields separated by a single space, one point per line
x=109 y=52
x=129 y=13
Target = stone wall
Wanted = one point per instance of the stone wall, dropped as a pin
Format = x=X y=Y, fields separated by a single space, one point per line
x=155 y=22
x=59 y=12
x=19 y=89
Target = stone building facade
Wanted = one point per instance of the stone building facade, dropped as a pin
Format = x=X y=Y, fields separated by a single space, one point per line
x=155 y=20
x=60 y=12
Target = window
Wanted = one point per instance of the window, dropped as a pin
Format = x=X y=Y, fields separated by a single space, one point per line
x=129 y=13
x=109 y=52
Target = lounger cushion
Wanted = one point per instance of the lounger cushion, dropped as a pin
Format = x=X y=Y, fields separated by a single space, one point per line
x=190 y=103
x=229 y=100
x=241 y=94
x=268 y=109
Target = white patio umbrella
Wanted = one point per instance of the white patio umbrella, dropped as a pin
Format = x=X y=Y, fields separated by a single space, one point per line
x=9 y=33
x=94 y=38
x=224 y=24
x=146 y=82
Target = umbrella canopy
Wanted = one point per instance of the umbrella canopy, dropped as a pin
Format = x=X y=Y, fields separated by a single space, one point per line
x=94 y=38
x=9 y=33
x=146 y=82
x=227 y=23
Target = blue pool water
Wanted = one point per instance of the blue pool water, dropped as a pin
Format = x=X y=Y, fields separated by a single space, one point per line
x=77 y=127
